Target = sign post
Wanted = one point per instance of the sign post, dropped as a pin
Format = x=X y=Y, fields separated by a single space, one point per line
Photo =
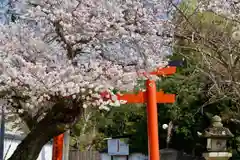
x=118 y=147
x=2 y=133
x=151 y=97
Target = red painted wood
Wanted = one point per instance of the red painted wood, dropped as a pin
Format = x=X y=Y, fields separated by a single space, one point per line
x=164 y=71
x=133 y=98
x=152 y=120
x=140 y=97
x=58 y=147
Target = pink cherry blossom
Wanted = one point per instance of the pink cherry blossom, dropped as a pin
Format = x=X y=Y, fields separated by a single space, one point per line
x=80 y=49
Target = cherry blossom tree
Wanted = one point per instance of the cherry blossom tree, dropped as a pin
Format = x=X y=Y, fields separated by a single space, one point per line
x=61 y=56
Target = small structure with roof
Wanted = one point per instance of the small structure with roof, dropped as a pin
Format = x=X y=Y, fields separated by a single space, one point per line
x=217 y=137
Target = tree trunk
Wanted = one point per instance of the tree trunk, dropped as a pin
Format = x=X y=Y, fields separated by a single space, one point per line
x=31 y=146
x=57 y=121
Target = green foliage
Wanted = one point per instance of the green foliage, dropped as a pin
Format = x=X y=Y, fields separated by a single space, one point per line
x=188 y=7
x=189 y=114
x=193 y=107
x=84 y=133
x=118 y=121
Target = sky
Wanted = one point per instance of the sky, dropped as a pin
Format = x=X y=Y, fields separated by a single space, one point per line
x=3 y=9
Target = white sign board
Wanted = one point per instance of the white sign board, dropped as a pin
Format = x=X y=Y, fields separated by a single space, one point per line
x=117 y=147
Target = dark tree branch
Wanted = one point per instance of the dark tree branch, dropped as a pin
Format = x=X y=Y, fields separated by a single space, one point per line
x=59 y=32
x=63 y=116
x=25 y=115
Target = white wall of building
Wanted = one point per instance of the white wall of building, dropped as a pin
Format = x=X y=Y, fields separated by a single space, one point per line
x=11 y=144
x=105 y=156
x=137 y=156
x=134 y=156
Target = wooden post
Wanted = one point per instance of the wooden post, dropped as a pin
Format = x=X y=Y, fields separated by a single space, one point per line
x=152 y=120
x=2 y=133
x=66 y=145
x=58 y=147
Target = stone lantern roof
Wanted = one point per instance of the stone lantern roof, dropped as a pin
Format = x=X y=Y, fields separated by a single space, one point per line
x=216 y=130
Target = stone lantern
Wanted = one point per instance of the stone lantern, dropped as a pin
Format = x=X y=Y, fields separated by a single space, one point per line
x=217 y=137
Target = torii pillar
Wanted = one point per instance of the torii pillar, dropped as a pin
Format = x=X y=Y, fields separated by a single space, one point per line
x=151 y=97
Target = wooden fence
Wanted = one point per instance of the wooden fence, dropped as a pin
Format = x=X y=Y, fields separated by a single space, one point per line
x=86 y=155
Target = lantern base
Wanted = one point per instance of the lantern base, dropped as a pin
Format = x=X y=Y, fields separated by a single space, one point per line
x=217 y=155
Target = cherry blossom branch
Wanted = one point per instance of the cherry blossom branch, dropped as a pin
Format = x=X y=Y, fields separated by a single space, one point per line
x=59 y=31
x=24 y=114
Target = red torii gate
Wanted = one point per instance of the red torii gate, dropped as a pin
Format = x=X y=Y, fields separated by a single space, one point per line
x=151 y=97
